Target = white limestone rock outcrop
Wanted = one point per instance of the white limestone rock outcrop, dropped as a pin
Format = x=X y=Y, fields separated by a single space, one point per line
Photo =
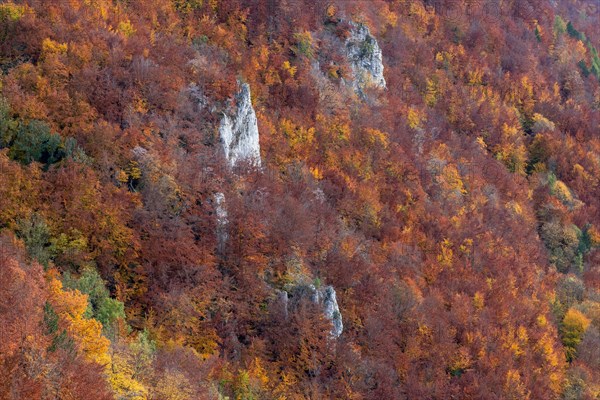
x=222 y=220
x=239 y=130
x=139 y=152
x=365 y=57
x=324 y=297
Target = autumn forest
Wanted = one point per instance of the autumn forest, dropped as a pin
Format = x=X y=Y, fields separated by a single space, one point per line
x=299 y=199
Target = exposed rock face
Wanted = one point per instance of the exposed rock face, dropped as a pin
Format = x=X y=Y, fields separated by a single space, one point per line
x=365 y=58
x=239 y=130
x=197 y=94
x=324 y=296
x=327 y=298
x=283 y=299
x=139 y=152
x=222 y=220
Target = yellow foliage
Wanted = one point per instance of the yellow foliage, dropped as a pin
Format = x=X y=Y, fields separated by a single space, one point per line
x=330 y=12
x=541 y=321
x=299 y=139
x=545 y=347
x=475 y=77
x=527 y=86
x=286 y=381
x=289 y=68
x=133 y=170
x=271 y=77
x=388 y=16
x=556 y=381
x=333 y=72
x=516 y=340
x=49 y=46
x=304 y=44
x=70 y=306
x=514 y=207
x=420 y=15
x=556 y=90
x=580 y=49
x=526 y=100
x=424 y=330
x=257 y=372
x=122 y=382
x=541 y=123
x=296 y=134
x=452 y=180
x=12 y=12
x=431 y=92
x=140 y=105
x=573 y=327
x=126 y=28
x=461 y=360
x=539 y=28
x=414 y=118
x=514 y=388
x=377 y=137
x=316 y=173
x=263 y=55
x=522 y=334
x=511 y=151
x=481 y=142
x=580 y=172
x=562 y=192
x=260 y=62
x=185 y=328
x=467 y=245
x=173 y=386
x=103 y=11
x=334 y=131
x=594 y=235
x=444 y=59
x=446 y=254
x=478 y=301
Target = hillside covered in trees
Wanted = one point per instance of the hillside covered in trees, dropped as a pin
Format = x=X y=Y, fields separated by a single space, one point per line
x=299 y=199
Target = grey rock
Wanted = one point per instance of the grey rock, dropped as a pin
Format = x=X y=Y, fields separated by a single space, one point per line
x=239 y=130
x=222 y=220
x=365 y=58
x=198 y=96
x=283 y=301
x=139 y=152
x=324 y=296
x=332 y=310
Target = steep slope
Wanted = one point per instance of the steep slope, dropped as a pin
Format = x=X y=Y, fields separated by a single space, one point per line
x=300 y=199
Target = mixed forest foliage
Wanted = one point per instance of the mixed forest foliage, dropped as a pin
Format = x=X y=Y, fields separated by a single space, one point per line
x=455 y=212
